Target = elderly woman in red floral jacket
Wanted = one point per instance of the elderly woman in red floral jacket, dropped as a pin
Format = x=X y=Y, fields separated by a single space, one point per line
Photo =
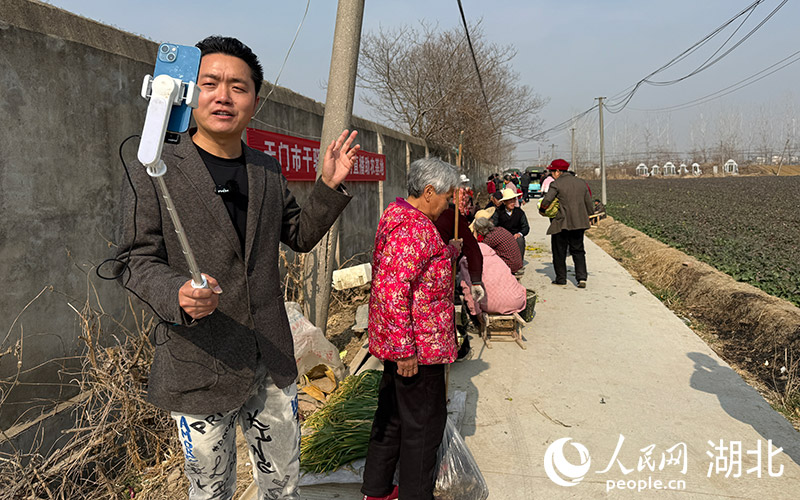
x=411 y=328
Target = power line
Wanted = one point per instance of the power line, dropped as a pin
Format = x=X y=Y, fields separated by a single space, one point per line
x=563 y=125
x=678 y=58
x=622 y=102
x=621 y=99
x=710 y=61
x=275 y=83
x=478 y=71
x=722 y=92
x=688 y=51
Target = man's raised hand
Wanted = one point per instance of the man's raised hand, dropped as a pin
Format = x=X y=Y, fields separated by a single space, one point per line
x=339 y=159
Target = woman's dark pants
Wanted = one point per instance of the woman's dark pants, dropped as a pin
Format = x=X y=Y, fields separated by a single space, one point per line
x=408 y=426
x=572 y=240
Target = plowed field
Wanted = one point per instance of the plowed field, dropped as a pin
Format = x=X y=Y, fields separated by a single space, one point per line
x=747 y=227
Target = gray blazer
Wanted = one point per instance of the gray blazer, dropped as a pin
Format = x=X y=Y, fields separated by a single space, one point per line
x=209 y=366
x=574 y=203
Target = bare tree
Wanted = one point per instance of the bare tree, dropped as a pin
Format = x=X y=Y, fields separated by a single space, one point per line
x=630 y=144
x=790 y=128
x=664 y=142
x=729 y=133
x=647 y=136
x=764 y=134
x=423 y=81
x=698 y=134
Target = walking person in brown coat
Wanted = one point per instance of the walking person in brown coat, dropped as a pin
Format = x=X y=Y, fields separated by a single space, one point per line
x=569 y=224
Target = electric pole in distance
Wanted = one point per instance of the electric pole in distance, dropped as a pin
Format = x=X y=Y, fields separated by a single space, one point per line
x=602 y=155
x=572 y=157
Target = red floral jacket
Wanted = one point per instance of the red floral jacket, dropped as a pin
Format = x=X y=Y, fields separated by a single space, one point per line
x=411 y=306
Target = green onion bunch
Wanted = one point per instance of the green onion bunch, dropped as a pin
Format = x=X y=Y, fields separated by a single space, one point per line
x=340 y=430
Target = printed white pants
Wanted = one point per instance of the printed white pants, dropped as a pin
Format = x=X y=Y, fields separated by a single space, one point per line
x=269 y=422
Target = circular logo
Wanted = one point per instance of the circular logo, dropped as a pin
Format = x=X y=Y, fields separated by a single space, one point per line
x=559 y=470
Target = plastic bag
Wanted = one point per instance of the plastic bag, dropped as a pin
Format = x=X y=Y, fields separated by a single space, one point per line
x=458 y=477
x=311 y=348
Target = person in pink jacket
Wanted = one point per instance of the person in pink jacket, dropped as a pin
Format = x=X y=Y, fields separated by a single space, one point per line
x=504 y=294
x=411 y=328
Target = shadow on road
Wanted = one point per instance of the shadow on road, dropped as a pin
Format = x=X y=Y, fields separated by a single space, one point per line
x=713 y=378
x=466 y=371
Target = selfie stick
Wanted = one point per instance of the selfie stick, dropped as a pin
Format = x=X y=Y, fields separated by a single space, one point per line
x=164 y=92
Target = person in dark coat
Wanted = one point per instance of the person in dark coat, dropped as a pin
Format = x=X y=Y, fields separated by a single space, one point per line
x=445 y=224
x=524 y=183
x=494 y=200
x=223 y=359
x=512 y=218
x=599 y=208
x=498 y=182
x=569 y=224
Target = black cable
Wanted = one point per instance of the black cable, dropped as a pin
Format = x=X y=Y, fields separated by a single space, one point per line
x=474 y=60
x=730 y=88
x=135 y=204
x=677 y=59
x=624 y=97
x=125 y=264
x=622 y=102
x=708 y=64
x=687 y=52
x=563 y=125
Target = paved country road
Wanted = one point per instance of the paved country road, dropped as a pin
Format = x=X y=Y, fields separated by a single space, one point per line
x=609 y=371
x=614 y=370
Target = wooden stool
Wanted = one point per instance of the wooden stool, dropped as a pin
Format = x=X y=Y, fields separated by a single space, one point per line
x=499 y=326
x=594 y=219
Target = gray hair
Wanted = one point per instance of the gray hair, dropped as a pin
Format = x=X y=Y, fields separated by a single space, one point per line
x=483 y=226
x=434 y=172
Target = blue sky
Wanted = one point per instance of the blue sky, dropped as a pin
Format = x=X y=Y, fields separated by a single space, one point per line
x=569 y=51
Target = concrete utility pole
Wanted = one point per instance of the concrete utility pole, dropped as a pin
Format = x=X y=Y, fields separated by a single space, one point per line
x=602 y=156
x=552 y=152
x=572 y=152
x=318 y=273
x=380 y=183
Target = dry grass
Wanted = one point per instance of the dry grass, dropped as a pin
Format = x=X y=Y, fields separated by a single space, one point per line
x=120 y=445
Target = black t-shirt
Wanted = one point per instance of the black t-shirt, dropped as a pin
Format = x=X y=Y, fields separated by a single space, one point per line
x=230 y=179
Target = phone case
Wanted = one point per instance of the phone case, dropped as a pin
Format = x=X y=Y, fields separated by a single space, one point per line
x=182 y=62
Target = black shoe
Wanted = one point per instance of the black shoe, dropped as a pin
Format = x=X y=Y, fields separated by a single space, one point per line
x=559 y=283
x=464 y=350
x=582 y=284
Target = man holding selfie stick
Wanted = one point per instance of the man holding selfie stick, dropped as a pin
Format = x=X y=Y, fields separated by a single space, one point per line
x=223 y=358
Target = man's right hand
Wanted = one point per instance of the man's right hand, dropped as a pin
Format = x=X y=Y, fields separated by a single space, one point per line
x=199 y=302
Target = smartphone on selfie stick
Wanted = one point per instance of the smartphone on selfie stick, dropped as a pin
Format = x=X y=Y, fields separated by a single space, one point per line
x=172 y=92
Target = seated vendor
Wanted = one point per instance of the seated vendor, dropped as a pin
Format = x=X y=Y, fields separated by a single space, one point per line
x=512 y=218
x=504 y=294
x=501 y=241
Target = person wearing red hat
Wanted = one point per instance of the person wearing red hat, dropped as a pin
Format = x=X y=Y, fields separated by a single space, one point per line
x=570 y=222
